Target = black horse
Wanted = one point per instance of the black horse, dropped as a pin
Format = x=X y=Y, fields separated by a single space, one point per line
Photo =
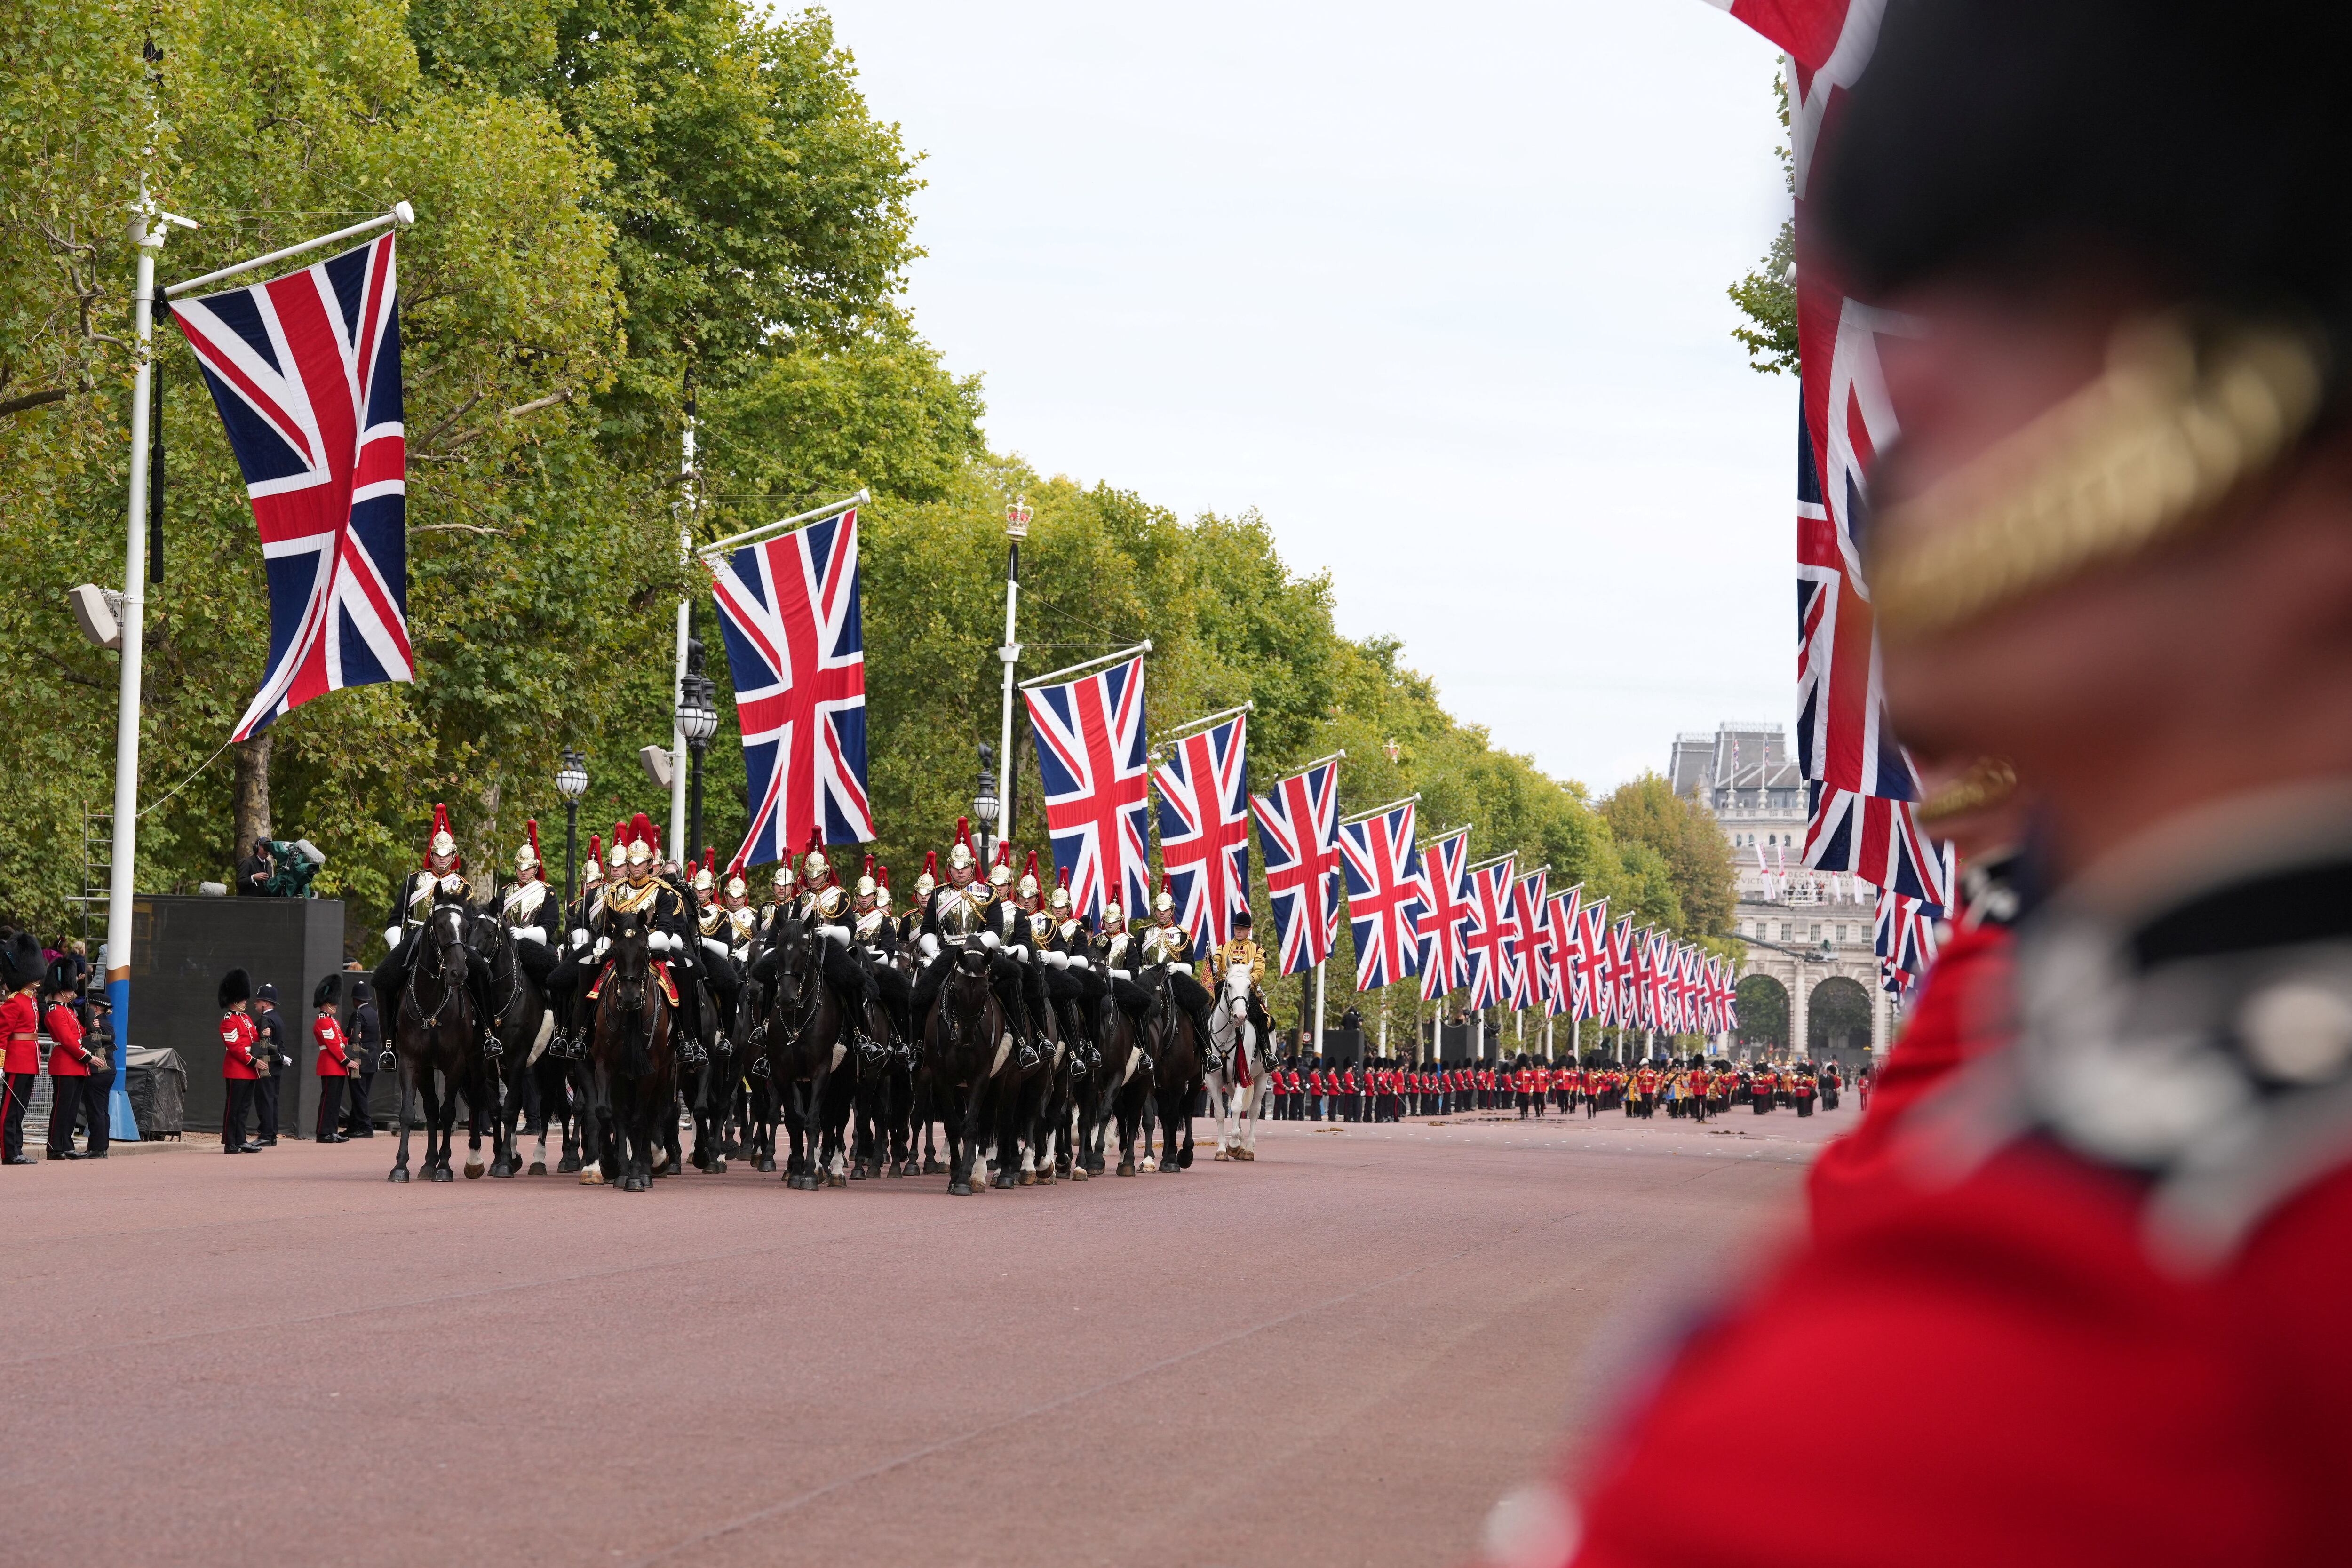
x=1176 y=1075
x=522 y=1023
x=807 y=1041
x=435 y=1036
x=1117 y=1090
x=632 y=1074
x=965 y=1050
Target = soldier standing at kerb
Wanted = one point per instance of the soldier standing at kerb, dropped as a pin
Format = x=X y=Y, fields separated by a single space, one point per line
x=2106 y=1301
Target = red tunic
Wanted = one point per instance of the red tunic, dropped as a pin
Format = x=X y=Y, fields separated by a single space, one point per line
x=332 y=1063
x=2022 y=1347
x=66 y=1059
x=1958 y=1016
x=237 y=1037
x=19 y=1031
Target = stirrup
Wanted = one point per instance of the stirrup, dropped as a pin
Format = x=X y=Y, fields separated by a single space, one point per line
x=387 y=1059
x=760 y=1066
x=492 y=1045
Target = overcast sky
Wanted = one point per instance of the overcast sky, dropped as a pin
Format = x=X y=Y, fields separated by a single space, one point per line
x=1438 y=290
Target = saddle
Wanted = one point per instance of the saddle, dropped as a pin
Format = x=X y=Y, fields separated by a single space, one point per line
x=658 y=968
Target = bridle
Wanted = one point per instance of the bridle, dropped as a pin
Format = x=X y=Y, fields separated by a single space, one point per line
x=454 y=937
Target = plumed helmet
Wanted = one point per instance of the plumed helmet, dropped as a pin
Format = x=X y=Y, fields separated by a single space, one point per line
x=929 y=876
x=23 y=960
x=640 y=840
x=813 y=861
x=882 y=888
x=617 y=853
x=1061 y=888
x=1165 y=901
x=1112 y=914
x=785 y=879
x=595 y=871
x=236 y=986
x=736 y=887
x=866 y=883
x=441 y=842
x=960 y=856
x=1000 y=873
x=527 y=857
x=707 y=873
x=1029 y=877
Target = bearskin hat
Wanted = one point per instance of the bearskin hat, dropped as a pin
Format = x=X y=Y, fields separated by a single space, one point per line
x=325 y=991
x=236 y=987
x=23 y=960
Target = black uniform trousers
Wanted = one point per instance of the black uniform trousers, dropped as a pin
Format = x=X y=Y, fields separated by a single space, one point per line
x=330 y=1105
x=97 y=1109
x=234 y=1114
x=356 y=1119
x=264 y=1105
x=18 y=1091
x=65 y=1102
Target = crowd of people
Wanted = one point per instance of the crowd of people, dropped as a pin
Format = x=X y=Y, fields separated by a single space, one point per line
x=1311 y=1088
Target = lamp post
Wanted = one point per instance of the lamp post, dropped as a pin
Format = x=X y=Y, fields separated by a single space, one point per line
x=984 y=803
x=571 y=783
x=1016 y=529
x=698 y=720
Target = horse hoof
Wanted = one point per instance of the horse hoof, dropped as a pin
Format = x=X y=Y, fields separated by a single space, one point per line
x=592 y=1177
x=765 y=1166
x=934 y=1168
x=1220 y=1155
x=857 y=1172
x=959 y=1189
x=441 y=1173
x=1149 y=1165
x=500 y=1168
x=1002 y=1179
x=836 y=1180
x=897 y=1171
x=717 y=1167
x=1127 y=1167
x=537 y=1168
x=399 y=1173
x=1245 y=1154
x=1184 y=1161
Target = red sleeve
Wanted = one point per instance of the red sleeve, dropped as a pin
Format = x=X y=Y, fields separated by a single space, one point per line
x=2022 y=1346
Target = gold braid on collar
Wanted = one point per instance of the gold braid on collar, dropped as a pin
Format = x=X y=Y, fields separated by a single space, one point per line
x=2182 y=416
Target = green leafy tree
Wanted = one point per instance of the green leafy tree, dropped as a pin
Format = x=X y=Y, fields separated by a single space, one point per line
x=1767 y=296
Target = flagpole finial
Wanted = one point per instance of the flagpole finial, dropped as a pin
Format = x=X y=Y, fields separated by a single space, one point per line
x=404 y=214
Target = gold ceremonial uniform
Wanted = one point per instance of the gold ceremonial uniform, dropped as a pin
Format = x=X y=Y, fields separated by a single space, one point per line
x=1240 y=950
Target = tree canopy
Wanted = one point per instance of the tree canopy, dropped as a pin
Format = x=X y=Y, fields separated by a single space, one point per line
x=614 y=196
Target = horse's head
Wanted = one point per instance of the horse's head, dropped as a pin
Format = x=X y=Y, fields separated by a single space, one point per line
x=632 y=958
x=795 y=959
x=964 y=995
x=443 y=951
x=1236 y=994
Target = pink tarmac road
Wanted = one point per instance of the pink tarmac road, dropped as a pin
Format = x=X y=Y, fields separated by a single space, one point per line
x=1342 y=1353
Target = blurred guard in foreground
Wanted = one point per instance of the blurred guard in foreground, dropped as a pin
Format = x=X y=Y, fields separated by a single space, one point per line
x=2105 y=1300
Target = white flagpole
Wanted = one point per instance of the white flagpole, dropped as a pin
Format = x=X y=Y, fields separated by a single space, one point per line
x=123 y=856
x=679 y=847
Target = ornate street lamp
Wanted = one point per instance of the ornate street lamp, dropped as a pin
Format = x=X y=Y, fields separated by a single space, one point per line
x=984 y=805
x=571 y=783
x=698 y=720
x=1008 y=652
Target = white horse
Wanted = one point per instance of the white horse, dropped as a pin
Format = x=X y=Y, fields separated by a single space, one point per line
x=1237 y=1088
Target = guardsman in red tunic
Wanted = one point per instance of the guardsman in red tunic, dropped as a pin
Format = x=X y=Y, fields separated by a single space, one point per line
x=334 y=1067
x=22 y=965
x=1761 y=1085
x=2105 y=1292
x=69 y=1076
x=241 y=1064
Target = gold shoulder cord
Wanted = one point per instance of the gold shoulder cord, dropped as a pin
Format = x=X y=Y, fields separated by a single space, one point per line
x=2180 y=417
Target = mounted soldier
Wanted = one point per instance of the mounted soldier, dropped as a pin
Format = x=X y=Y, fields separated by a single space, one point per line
x=532 y=916
x=632 y=889
x=1240 y=948
x=439 y=879
x=1169 y=946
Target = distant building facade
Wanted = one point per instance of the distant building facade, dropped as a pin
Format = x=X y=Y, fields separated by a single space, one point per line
x=1804 y=929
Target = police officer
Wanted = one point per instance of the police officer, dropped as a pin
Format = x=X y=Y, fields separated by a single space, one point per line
x=365 y=1036
x=275 y=1056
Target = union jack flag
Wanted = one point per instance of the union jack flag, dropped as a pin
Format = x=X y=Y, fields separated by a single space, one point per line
x=1445 y=912
x=1565 y=926
x=1204 y=830
x=1489 y=935
x=1860 y=784
x=304 y=369
x=1593 y=962
x=1093 y=757
x=1531 y=961
x=796 y=646
x=1298 y=829
x=1905 y=940
x=1384 y=889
